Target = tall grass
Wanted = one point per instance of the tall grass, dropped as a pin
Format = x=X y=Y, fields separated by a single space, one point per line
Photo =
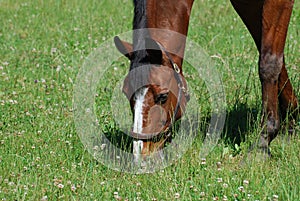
x=43 y=45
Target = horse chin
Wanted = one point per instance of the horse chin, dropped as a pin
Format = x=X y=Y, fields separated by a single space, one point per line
x=145 y=150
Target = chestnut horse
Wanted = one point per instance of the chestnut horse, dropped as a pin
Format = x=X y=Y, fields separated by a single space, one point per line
x=162 y=100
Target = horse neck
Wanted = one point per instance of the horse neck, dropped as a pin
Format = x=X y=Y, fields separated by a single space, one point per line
x=169 y=15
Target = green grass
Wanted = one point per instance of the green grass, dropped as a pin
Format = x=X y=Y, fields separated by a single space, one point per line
x=43 y=44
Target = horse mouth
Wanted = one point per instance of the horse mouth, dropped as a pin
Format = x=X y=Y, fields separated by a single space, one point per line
x=152 y=136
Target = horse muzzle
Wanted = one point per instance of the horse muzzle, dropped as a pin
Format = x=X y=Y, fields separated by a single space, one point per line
x=151 y=136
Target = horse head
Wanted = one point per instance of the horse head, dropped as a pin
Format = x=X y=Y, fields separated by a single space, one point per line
x=156 y=90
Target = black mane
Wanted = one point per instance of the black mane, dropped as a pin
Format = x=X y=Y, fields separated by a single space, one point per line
x=139 y=22
x=140 y=19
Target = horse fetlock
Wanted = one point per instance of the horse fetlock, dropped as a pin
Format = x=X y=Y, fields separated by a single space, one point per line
x=270 y=66
x=263 y=142
x=272 y=126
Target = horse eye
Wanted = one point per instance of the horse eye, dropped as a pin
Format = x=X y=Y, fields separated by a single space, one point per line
x=161 y=98
x=134 y=98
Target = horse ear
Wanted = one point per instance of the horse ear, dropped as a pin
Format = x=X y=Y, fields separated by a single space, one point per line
x=125 y=48
x=126 y=89
x=154 y=51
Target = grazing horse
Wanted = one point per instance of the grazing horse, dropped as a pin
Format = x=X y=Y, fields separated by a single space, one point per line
x=156 y=105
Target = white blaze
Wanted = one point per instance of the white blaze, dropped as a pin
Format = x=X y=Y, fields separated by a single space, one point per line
x=137 y=151
x=138 y=110
x=138 y=123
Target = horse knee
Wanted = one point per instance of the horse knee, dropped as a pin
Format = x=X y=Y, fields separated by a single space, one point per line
x=270 y=66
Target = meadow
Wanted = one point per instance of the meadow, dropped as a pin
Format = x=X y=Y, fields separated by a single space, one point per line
x=43 y=45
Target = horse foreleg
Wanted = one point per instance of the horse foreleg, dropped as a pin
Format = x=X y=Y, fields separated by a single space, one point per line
x=275 y=20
